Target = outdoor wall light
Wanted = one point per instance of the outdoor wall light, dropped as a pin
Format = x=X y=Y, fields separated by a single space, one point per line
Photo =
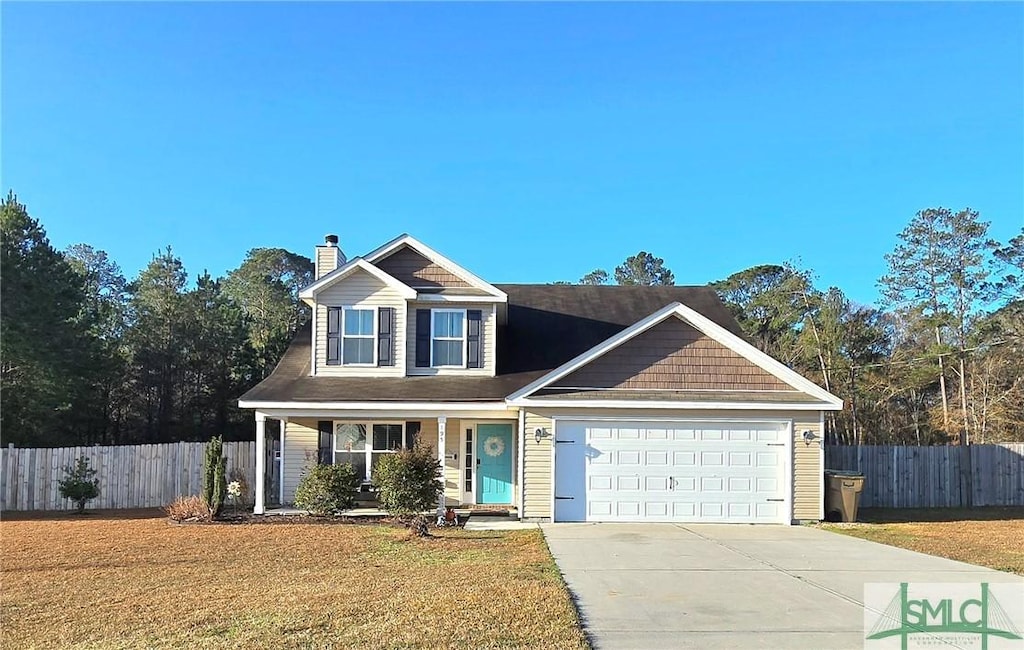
x=809 y=436
x=538 y=434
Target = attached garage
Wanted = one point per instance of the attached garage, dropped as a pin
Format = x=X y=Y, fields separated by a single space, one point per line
x=709 y=471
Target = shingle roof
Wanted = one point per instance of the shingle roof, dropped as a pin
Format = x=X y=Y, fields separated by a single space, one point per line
x=547 y=325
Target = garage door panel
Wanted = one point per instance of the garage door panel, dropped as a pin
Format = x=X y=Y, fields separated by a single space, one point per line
x=687 y=472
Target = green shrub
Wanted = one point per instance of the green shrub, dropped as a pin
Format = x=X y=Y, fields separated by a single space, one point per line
x=326 y=489
x=79 y=483
x=190 y=508
x=215 y=484
x=408 y=483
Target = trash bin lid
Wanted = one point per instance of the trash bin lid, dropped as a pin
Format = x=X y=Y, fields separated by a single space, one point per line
x=843 y=473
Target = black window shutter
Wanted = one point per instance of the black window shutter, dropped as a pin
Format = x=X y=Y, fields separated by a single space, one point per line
x=386 y=336
x=412 y=433
x=474 y=339
x=422 y=338
x=333 y=336
x=325 y=445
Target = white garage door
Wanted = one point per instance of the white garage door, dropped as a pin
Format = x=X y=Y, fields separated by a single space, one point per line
x=728 y=472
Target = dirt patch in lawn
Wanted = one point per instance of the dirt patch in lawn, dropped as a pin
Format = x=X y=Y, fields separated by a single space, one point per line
x=82 y=582
x=988 y=537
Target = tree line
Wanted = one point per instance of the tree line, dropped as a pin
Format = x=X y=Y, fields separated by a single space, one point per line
x=88 y=356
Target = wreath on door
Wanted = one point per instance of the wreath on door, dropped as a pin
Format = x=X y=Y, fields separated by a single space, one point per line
x=494 y=446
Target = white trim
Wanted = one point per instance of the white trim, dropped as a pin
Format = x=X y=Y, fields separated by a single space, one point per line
x=368 y=448
x=436 y=258
x=308 y=294
x=520 y=468
x=463 y=425
x=376 y=406
x=258 y=506
x=669 y=418
x=704 y=325
x=821 y=467
x=554 y=437
x=788 y=463
x=372 y=335
x=660 y=404
x=442 y=435
x=435 y=297
x=312 y=345
x=464 y=338
x=280 y=470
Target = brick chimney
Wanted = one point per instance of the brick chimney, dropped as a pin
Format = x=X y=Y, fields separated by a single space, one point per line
x=328 y=257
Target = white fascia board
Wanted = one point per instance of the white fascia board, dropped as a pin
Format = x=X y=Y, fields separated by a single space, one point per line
x=435 y=297
x=682 y=405
x=436 y=258
x=707 y=327
x=357 y=263
x=440 y=407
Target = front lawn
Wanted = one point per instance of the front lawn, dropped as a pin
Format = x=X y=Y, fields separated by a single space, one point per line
x=988 y=537
x=98 y=582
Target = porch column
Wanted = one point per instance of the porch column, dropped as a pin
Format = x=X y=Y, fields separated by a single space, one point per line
x=261 y=459
x=280 y=465
x=442 y=424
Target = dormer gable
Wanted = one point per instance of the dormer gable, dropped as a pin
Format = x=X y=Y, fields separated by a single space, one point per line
x=431 y=274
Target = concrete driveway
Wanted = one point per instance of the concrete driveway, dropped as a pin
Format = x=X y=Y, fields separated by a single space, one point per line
x=732 y=586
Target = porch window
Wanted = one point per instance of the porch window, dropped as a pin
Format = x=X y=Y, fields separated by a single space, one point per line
x=448 y=338
x=362 y=444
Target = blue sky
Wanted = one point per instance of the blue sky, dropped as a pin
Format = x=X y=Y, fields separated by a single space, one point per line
x=529 y=142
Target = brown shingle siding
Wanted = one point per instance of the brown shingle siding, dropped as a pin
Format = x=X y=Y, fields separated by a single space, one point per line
x=413 y=269
x=672 y=355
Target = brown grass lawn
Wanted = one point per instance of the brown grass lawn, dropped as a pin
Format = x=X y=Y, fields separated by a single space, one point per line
x=992 y=537
x=104 y=582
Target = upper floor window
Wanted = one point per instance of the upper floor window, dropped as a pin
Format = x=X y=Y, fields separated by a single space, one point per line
x=357 y=336
x=448 y=340
x=351 y=336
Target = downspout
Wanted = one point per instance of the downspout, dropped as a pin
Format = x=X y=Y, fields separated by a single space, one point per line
x=522 y=457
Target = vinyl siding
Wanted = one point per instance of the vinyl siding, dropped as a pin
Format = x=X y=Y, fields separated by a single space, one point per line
x=300 y=453
x=327 y=259
x=537 y=468
x=413 y=269
x=363 y=290
x=806 y=462
x=488 y=329
x=673 y=355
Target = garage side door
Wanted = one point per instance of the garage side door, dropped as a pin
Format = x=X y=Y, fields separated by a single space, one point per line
x=725 y=472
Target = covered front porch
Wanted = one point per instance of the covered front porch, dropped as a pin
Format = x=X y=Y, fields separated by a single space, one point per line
x=480 y=449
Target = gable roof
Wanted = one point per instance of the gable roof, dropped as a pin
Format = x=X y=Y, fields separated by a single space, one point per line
x=406 y=240
x=308 y=294
x=703 y=324
x=547 y=325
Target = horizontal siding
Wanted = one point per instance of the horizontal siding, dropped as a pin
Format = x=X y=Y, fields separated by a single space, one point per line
x=807 y=474
x=327 y=259
x=537 y=472
x=673 y=356
x=364 y=290
x=300 y=453
x=489 y=330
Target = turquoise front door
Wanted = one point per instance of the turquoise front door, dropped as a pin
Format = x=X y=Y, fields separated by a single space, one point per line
x=494 y=463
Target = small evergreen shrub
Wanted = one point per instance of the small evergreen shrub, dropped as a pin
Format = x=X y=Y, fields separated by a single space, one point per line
x=408 y=483
x=326 y=489
x=79 y=483
x=215 y=483
x=190 y=508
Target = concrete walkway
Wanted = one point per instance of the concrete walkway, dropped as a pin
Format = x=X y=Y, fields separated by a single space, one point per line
x=732 y=586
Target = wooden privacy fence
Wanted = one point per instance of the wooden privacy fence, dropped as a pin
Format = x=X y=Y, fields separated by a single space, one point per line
x=131 y=476
x=934 y=477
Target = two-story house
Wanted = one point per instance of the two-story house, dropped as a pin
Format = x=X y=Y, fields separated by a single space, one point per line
x=562 y=402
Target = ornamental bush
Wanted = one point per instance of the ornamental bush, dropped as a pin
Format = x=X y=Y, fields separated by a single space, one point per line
x=215 y=484
x=326 y=489
x=79 y=483
x=190 y=508
x=408 y=484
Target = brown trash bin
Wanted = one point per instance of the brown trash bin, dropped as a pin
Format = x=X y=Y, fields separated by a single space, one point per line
x=842 y=495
